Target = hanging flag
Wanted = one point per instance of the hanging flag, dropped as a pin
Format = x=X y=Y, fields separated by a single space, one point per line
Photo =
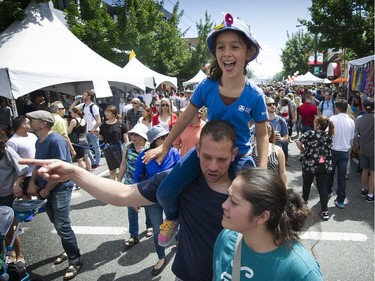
x=132 y=55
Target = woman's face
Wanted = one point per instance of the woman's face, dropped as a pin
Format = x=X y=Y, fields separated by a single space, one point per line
x=237 y=210
x=108 y=114
x=164 y=106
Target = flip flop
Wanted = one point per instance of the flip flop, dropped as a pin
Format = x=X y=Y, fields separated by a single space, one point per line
x=60 y=259
x=73 y=269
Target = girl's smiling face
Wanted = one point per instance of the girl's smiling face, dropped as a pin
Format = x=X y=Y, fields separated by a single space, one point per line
x=232 y=53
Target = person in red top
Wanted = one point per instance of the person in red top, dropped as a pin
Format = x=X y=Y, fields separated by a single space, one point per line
x=164 y=117
x=307 y=111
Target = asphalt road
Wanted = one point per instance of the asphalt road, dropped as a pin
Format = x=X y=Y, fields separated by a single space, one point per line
x=344 y=245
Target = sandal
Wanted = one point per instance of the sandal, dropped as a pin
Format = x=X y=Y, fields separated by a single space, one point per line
x=149 y=232
x=60 y=259
x=72 y=271
x=131 y=242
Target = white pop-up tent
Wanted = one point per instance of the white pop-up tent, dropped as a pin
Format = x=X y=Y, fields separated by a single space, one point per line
x=307 y=79
x=41 y=53
x=196 y=79
x=152 y=78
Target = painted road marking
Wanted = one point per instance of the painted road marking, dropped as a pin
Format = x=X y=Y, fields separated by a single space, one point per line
x=98 y=230
x=334 y=236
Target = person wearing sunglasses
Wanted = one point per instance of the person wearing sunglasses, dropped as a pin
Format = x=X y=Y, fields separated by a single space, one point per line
x=165 y=116
x=278 y=123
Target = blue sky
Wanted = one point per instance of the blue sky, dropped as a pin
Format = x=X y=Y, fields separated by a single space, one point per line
x=270 y=20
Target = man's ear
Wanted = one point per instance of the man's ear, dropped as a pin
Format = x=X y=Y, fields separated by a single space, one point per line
x=234 y=153
x=197 y=148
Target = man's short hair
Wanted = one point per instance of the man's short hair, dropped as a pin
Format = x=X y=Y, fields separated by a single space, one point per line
x=218 y=130
x=341 y=105
x=308 y=95
x=90 y=94
x=18 y=121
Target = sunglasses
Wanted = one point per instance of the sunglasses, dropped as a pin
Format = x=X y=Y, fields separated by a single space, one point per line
x=134 y=102
x=164 y=105
x=271 y=104
x=61 y=108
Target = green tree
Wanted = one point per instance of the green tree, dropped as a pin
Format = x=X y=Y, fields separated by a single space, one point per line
x=11 y=10
x=343 y=24
x=157 y=41
x=200 y=56
x=295 y=54
x=93 y=25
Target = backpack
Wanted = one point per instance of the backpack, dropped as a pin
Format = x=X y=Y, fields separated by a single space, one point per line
x=333 y=106
x=101 y=112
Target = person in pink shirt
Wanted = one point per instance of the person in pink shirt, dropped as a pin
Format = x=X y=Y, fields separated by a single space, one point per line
x=190 y=136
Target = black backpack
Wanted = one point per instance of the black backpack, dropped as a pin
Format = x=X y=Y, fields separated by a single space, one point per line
x=101 y=111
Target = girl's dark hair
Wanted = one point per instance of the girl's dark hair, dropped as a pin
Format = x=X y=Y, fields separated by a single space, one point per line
x=215 y=71
x=266 y=191
x=2 y=149
x=324 y=122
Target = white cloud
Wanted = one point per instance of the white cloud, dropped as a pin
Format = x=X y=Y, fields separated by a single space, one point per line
x=268 y=62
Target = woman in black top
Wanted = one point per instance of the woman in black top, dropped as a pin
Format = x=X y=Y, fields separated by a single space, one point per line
x=113 y=133
x=77 y=131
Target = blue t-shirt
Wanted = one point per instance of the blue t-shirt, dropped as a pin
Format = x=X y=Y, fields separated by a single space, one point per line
x=250 y=105
x=294 y=264
x=54 y=146
x=279 y=125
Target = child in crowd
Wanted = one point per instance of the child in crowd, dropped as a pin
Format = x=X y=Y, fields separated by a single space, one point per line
x=229 y=96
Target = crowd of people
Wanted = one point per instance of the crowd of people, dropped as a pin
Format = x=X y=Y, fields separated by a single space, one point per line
x=231 y=135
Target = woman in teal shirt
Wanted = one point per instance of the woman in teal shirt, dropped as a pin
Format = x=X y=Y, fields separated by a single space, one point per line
x=262 y=221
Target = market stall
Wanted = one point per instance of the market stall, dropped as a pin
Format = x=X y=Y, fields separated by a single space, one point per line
x=361 y=75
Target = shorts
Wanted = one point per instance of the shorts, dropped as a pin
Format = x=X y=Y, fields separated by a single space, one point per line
x=366 y=162
x=7 y=201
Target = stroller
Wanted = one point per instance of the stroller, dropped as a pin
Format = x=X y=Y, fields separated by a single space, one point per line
x=22 y=210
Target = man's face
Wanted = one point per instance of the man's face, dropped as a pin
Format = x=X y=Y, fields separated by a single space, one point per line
x=282 y=94
x=271 y=105
x=327 y=96
x=136 y=103
x=36 y=125
x=215 y=158
x=85 y=97
x=27 y=125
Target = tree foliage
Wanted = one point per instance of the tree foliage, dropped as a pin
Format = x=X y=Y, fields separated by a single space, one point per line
x=343 y=24
x=11 y=10
x=93 y=25
x=200 y=55
x=294 y=55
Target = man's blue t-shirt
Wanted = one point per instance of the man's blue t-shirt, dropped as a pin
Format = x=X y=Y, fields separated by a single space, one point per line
x=54 y=146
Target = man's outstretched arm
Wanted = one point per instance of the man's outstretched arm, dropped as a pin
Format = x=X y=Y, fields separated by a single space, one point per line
x=106 y=190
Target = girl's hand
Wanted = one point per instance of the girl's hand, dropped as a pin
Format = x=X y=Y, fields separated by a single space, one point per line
x=157 y=153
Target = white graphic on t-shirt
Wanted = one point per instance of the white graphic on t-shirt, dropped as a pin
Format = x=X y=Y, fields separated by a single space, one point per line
x=249 y=273
x=242 y=108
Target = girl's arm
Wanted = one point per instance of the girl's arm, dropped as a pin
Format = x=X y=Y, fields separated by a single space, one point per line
x=282 y=170
x=262 y=143
x=300 y=146
x=182 y=122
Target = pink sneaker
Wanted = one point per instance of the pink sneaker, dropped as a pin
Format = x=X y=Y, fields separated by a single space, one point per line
x=168 y=231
